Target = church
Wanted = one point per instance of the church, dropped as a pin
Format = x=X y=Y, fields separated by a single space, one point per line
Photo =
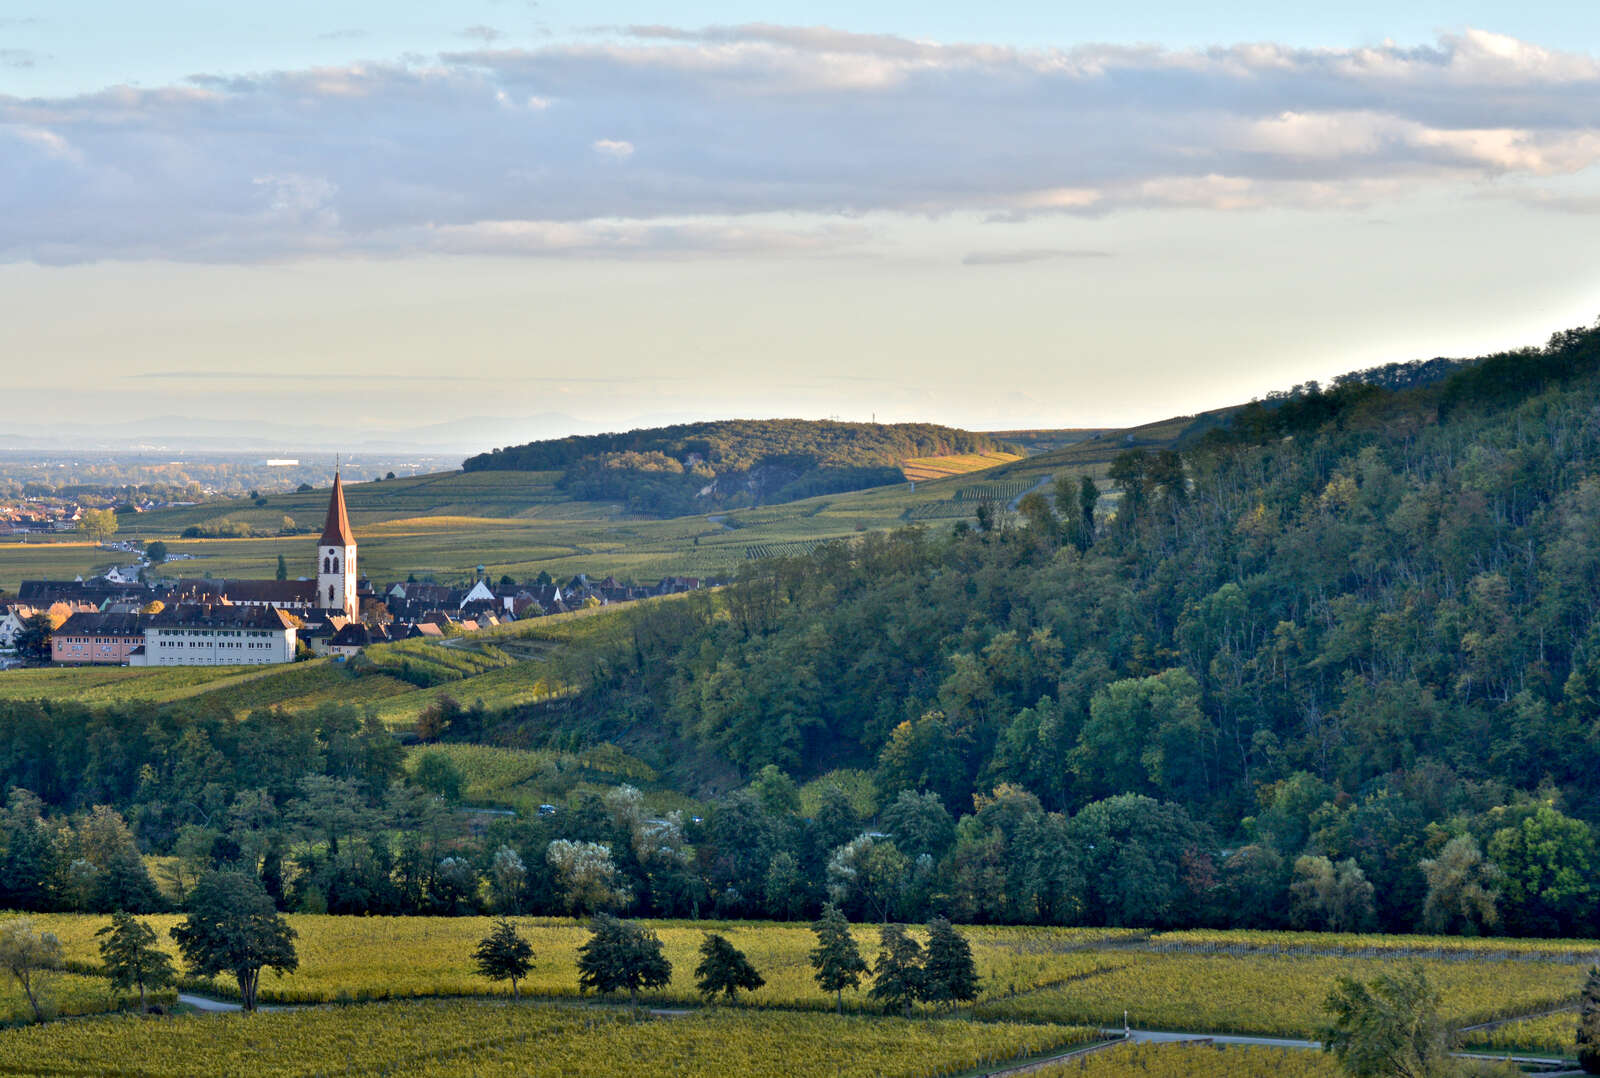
x=331 y=590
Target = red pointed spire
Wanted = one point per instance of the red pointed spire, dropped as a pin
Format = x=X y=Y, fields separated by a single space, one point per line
x=336 y=532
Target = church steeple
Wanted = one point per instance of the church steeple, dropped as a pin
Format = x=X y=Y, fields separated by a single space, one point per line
x=336 y=532
x=336 y=557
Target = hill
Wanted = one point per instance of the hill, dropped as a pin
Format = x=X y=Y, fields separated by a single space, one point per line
x=671 y=471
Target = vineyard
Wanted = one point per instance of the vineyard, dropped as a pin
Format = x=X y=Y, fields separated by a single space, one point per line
x=1028 y=974
x=941 y=510
x=1551 y=1034
x=491 y=1040
x=797 y=548
x=1196 y=1061
x=996 y=490
x=523 y=780
x=1281 y=996
x=919 y=469
x=69 y=994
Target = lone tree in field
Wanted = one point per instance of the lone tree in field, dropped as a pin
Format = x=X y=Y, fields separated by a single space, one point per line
x=503 y=955
x=29 y=957
x=234 y=928
x=619 y=956
x=724 y=968
x=132 y=959
x=835 y=958
x=1388 y=1028
x=897 y=973
x=98 y=524
x=948 y=974
x=1589 y=1024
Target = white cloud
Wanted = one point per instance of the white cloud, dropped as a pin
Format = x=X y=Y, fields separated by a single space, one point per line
x=753 y=120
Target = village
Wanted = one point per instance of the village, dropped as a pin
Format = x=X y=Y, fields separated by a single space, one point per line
x=122 y=619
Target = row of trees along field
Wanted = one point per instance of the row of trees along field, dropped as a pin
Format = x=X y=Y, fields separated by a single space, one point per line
x=233 y=929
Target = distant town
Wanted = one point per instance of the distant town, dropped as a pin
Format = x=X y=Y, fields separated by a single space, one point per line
x=123 y=618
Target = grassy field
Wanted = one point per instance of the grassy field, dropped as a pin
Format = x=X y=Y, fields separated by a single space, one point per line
x=1029 y=974
x=490 y=1040
x=518 y=523
x=512 y=664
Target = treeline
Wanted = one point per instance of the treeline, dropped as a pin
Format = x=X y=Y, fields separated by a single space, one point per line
x=681 y=469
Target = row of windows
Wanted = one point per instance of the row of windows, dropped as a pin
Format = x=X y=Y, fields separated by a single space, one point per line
x=210 y=644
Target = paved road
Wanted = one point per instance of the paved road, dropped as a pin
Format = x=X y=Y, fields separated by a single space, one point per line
x=1153 y=1036
x=207 y=1004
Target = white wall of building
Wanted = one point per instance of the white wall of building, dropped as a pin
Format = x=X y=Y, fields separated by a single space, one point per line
x=170 y=646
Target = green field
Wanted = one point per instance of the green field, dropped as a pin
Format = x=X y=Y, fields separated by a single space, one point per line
x=489 y=1040
x=512 y=664
x=518 y=523
x=1029 y=974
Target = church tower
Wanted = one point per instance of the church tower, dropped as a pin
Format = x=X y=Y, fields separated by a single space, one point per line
x=336 y=557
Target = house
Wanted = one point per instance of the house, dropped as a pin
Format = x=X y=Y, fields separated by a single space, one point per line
x=15 y=617
x=102 y=639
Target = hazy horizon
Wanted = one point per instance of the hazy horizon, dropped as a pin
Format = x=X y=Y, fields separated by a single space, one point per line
x=389 y=219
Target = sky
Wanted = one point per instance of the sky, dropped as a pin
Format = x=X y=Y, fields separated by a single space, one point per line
x=519 y=220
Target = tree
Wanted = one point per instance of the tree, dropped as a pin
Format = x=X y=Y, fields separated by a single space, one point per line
x=724 y=968
x=283 y=568
x=233 y=927
x=1388 y=1029
x=437 y=773
x=586 y=875
x=870 y=872
x=1547 y=864
x=503 y=955
x=98 y=524
x=29 y=957
x=33 y=642
x=835 y=959
x=1462 y=890
x=156 y=551
x=897 y=972
x=618 y=956
x=948 y=974
x=507 y=877
x=131 y=957
x=1335 y=897
x=1589 y=1023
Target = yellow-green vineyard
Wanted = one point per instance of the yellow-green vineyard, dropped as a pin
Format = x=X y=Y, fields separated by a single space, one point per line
x=490 y=1040
x=1029 y=974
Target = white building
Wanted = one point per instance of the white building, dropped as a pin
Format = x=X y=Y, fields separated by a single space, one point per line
x=202 y=635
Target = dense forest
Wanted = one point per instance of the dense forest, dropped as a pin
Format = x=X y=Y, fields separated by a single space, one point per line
x=1334 y=664
x=674 y=471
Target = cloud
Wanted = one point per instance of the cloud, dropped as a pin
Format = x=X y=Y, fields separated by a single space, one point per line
x=497 y=149
x=1019 y=257
x=343 y=35
x=486 y=34
x=19 y=58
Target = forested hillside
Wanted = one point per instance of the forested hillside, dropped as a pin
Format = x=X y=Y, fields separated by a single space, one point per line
x=672 y=471
x=1357 y=624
